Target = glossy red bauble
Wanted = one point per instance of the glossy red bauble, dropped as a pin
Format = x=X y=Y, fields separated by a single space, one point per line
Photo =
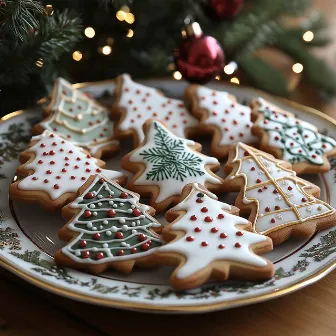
x=199 y=58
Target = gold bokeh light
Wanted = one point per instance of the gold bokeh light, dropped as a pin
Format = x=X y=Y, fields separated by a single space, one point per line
x=297 y=67
x=89 y=32
x=235 y=80
x=106 y=50
x=177 y=75
x=77 y=55
x=308 y=36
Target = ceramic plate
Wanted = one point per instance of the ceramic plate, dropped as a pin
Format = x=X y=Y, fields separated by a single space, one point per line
x=28 y=234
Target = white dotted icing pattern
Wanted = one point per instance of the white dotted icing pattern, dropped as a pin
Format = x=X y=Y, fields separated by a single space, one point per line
x=280 y=197
x=233 y=119
x=299 y=140
x=170 y=184
x=59 y=166
x=143 y=102
x=210 y=235
x=79 y=118
x=99 y=239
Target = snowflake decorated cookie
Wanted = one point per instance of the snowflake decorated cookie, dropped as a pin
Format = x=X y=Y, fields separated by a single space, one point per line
x=80 y=119
x=291 y=139
x=135 y=103
x=222 y=116
x=280 y=203
x=108 y=228
x=205 y=240
x=164 y=163
x=54 y=169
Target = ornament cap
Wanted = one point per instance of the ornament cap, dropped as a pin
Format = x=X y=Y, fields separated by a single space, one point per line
x=193 y=29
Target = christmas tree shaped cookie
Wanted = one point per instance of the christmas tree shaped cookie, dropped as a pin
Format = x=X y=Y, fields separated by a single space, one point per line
x=80 y=119
x=280 y=203
x=164 y=163
x=108 y=227
x=136 y=103
x=222 y=116
x=54 y=169
x=291 y=139
x=207 y=241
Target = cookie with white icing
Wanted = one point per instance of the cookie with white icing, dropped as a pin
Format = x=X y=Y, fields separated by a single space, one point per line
x=76 y=117
x=53 y=169
x=291 y=139
x=108 y=228
x=207 y=240
x=164 y=163
x=221 y=116
x=135 y=103
x=280 y=203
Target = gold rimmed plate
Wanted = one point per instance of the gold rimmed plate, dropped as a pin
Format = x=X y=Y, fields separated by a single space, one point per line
x=28 y=234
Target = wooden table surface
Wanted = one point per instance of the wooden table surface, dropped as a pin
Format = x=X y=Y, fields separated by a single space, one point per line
x=26 y=310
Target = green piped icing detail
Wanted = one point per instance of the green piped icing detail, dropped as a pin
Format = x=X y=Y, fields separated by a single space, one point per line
x=108 y=196
x=170 y=159
x=298 y=140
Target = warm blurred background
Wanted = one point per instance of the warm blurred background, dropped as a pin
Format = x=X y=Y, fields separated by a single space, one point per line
x=285 y=47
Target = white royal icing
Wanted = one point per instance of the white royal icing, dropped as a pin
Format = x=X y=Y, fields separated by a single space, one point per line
x=171 y=185
x=108 y=243
x=233 y=119
x=299 y=140
x=59 y=167
x=79 y=118
x=280 y=196
x=142 y=102
x=197 y=256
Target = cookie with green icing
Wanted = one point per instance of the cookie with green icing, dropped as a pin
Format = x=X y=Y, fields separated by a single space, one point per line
x=78 y=118
x=291 y=139
x=108 y=228
x=164 y=163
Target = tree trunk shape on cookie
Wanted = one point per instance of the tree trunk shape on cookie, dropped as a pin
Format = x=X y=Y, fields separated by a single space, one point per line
x=281 y=199
x=110 y=226
x=212 y=243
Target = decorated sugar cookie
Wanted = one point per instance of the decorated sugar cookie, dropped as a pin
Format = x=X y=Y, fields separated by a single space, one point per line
x=136 y=103
x=280 y=203
x=164 y=163
x=54 y=169
x=291 y=139
x=80 y=119
x=108 y=227
x=207 y=241
x=222 y=116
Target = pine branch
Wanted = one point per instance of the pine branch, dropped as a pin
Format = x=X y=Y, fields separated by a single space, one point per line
x=59 y=34
x=317 y=71
x=254 y=21
x=263 y=75
x=19 y=16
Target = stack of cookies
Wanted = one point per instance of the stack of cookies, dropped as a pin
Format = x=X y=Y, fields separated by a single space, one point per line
x=265 y=148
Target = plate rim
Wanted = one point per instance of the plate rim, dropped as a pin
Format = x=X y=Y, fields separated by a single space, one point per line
x=317 y=274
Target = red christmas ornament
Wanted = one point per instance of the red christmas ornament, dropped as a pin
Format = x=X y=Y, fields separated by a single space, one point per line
x=199 y=58
x=223 y=9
